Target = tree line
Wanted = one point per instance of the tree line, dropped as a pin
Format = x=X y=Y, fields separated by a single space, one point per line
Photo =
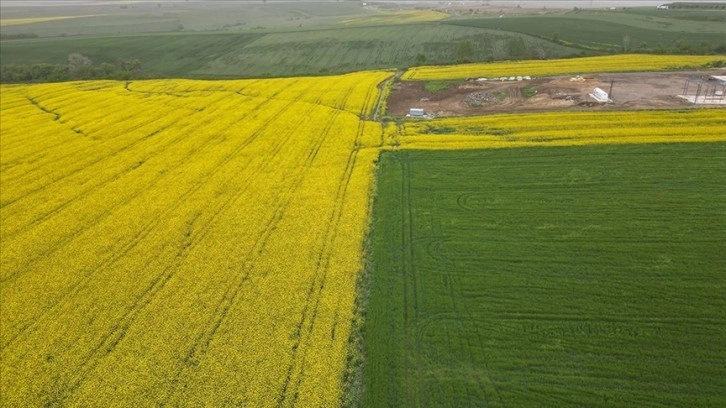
x=78 y=67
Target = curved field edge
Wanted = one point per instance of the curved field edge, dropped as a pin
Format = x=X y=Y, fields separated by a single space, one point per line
x=610 y=63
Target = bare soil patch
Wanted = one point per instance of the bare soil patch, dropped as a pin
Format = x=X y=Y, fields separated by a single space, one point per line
x=630 y=91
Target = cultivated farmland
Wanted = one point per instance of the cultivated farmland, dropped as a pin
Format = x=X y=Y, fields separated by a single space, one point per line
x=562 y=277
x=611 y=63
x=233 y=39
x=635 y=29
x=182 y=242
x=252 y=53
x=559 y=129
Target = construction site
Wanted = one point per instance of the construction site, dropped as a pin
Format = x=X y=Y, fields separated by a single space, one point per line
x=619 y=91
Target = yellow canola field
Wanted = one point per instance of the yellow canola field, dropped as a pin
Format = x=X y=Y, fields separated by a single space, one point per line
x=182 y=243
x=560 y=129
x=4 y=22
x=398 y=17
x=197 y=243
x=610 y=63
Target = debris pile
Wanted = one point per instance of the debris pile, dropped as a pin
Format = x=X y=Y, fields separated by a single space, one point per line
x=565 y=96
x=503 y=79
x=475 y=99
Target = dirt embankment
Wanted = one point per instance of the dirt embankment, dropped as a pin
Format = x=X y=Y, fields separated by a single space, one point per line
x=628 y=91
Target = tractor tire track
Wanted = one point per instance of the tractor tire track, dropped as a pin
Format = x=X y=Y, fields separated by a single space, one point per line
x=146 y=156
x=134 y=126
x=322 y=268
x=63 y=123
x=72 y=234
x=298 y=333
x=410 y=311
x=145 y=231
x=80 y=154
x=106 y=263
x=204 y=339
x=109 y=342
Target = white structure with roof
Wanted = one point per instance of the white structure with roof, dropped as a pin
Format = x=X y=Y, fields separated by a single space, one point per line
x=600 y=96
x=416 y=112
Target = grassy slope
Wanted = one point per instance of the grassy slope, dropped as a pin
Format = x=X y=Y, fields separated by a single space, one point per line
x=361 y=48
x=606 y=30
x=105 y=19
x=587 y=276
x=161 y=55
x=287 y=39
x=249 y=54
x=253 y=40
x=220 y=40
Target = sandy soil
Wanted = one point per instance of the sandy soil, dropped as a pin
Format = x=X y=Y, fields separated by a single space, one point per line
x=650 y=90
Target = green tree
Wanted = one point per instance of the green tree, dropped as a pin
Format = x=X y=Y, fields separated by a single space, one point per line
x=132 y=67
x=79 y=66
x=517 y=48
x=465 y=51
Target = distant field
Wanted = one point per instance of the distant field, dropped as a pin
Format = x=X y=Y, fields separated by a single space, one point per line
x=399 y=17
x=559 y=129
x=168 y=55
x=139 y=17
x=255 y=54
x=563 y=277
x=280 y=39
x=372 y=47
x=611 y=63
x=6 y=22
x=615 y=31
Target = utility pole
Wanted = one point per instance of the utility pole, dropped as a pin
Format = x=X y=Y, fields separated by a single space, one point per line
x=698 y=92
x=610 y=93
